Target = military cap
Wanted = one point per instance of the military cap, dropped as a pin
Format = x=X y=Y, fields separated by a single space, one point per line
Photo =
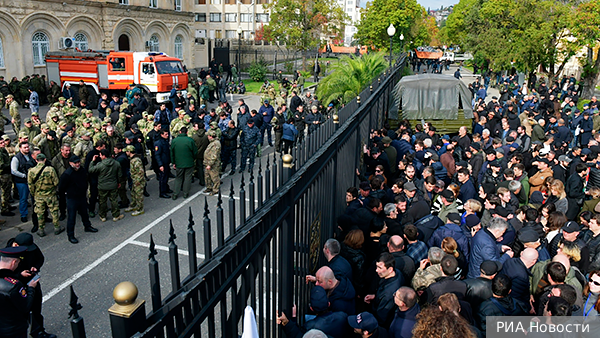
x=27 y=120
x=144 y=114
x=35 y=114
x=62 y=123
x=1 y=76
x=130 y=148
x=125 y=100
x=61 y=99
x=44 y=126
x=97 y=126
x=87 y=133
x=87 y=120
x=107 y=119
x=212 y=133
x=13 y=252
x=74 y=159
x=23 y=135
x=10 y=96
x=40 y=157
x=5 y=137
x=187 y=118
x=104 y=123
x=214 y=124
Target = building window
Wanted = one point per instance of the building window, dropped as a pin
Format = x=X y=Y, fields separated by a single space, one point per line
x=178 y=5
x=200 y=17
x=81 y=41
x=179 y=47
x=262 y=17
x=1 y=55
x=218 y=34
x=200 y=2
x=215 y=2
x=230 y=17
x=154 y=44
x=124 y=2
x=349 y=9
x=40 y=44
x=215 y=17
x=230 y=34
x=245 y=17
x=350 y=2
x=153 y=3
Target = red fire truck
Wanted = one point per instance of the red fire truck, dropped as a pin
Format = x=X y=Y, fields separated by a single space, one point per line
x=112 y=72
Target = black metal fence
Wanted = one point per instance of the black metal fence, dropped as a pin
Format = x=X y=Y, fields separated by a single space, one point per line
x=278 y=222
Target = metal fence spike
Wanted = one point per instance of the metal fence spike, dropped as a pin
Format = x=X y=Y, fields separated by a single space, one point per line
x=172 y=235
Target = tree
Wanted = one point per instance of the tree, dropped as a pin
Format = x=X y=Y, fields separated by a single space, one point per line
x=407 y=16
x=349 y=76
x=586 y=28
x=300 y=24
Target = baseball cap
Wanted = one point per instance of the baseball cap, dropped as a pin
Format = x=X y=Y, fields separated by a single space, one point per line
x=544 y=160
x=586 y=151
x=410 y=186
x=571 y=227
x=501 y=211
x=454 y=218
x=529 y=236
x=74 y=159
x=318 y=299
x=564 y=158
x=476 y=146
x=440 y=184
x=386 y=140
x=447 y=194
x=364 y=321
x=489 y=268
x=129 y=148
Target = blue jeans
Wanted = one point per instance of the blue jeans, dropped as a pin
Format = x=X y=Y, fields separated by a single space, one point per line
x=23 y=189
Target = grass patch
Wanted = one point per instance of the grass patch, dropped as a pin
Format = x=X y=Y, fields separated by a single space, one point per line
x=254 y=87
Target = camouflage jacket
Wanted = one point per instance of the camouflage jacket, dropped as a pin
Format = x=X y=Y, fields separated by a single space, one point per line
x=426 y=277
x=212 y=154
x=136 y=169
x=46 y=183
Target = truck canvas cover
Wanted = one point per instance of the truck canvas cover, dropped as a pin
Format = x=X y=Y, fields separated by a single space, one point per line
x=432 y=96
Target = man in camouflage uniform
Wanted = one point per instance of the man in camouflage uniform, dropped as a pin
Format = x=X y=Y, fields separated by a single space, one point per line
x=70 y=138
x=49 y=144
x=43 y=181
x=13 y=109
x=201 y=141
x=249 y=140
x=54 y=93
x=109 y=174
x=136 y=169
x=212 y=164
x=84 y=93
x=84 y=146
x=30 y=129
x=35 y=120
x=177 y=123
x=5 y=179
x=4 y=90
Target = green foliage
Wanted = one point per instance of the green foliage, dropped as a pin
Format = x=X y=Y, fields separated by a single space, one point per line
x=523 y=34
x=257 y=71
x=350 y=76
x=299 y=23
x=289 y=67
x=580 y=104
x=407 y=16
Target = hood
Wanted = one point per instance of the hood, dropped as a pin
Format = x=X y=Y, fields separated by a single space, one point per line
x=343 y=290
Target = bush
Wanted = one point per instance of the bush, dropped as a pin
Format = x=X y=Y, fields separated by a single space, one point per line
x=289 y=67
x=580 y=104
x=257 y=71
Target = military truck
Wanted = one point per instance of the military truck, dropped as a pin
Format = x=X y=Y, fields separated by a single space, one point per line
x=443 y=100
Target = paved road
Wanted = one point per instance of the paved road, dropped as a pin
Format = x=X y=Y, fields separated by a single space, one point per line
x=119 y=251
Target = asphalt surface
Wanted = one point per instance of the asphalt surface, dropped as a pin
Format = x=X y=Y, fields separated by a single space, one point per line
x=119 y=250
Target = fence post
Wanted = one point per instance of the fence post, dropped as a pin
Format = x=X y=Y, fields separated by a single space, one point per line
x=154 y=277
x=336 y=122
x=268 y=178
x=191 y=236
x=207 y=232
x=128 y=314
x=174 y=258
x=251 y=194
x=231 y=211
x=259 y=183
x=242 y=202
x=220 y=224
x=288 y=167
x=77 y=326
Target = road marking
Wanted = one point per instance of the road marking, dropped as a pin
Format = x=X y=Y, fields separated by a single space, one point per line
x=116 y=249
x=165 y=248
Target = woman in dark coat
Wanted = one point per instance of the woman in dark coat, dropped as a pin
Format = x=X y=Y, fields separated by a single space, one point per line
x=575 y=191
x=352 y=252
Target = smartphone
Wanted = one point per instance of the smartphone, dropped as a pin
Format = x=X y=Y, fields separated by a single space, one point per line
x=35 y=278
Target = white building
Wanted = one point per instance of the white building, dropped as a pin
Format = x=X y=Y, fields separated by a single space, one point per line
x=352 y=9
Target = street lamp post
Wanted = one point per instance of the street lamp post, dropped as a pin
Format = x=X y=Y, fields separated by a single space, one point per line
x=239 y=31
x=391 y=30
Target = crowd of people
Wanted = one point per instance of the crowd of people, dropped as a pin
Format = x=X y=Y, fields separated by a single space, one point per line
x=444 y=231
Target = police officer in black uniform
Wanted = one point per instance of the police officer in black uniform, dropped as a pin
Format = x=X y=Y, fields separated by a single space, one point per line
x=16 y=298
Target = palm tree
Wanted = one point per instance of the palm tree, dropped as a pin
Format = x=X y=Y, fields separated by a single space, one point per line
x=350 y=76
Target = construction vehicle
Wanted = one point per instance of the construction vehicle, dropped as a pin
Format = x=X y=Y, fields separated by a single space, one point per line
x=112 y=72
x=333 y=50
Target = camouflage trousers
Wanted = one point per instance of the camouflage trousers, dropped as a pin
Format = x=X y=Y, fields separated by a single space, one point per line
x=43 y=203
x=17 y=127
x=6 y=185
x=213 y=179
x=103 y=196
x=137 y=195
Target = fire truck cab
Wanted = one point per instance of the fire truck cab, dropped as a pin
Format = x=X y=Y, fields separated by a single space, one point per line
x=112 y=72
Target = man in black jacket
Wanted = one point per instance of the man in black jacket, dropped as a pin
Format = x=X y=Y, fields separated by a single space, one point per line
x=73 y=183
x=229 y=150
x=404 y=263
x=480 y=289
x=500 y=304
x=382 y=302
x=340 y=291
x=93 y=178
x=16 y=299
x=163 y=160
x=446 y=283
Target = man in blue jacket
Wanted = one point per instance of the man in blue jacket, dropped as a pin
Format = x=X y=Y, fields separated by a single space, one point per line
x=485 y=246
x=451 y=229
x=518 y=269
x=267 y=112
x=467 y=189
x=406 y=314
